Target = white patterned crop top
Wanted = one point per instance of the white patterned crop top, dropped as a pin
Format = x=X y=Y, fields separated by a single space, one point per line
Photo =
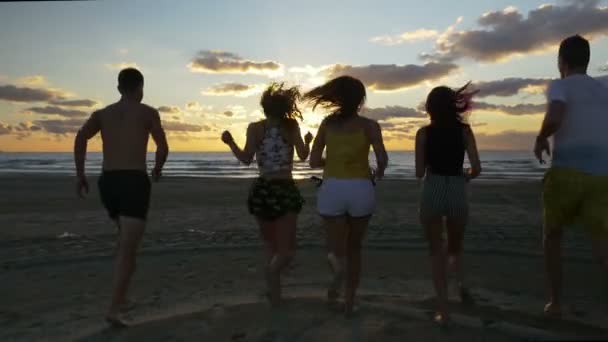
x=274 y=154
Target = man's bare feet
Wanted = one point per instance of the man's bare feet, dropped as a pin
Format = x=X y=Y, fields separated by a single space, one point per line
x=553 y=310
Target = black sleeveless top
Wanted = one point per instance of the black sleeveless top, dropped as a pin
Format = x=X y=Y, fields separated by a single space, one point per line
x=445 y=147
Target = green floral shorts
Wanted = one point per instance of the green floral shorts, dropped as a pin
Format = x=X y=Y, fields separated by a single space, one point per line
x=270 y=199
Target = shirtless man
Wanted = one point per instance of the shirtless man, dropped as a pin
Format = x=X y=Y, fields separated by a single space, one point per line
x=124 y=185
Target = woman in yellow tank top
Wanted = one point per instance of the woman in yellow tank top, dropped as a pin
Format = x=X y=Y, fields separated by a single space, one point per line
x=346 y=199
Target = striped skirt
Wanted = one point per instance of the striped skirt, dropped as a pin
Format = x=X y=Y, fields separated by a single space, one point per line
x=444 y=196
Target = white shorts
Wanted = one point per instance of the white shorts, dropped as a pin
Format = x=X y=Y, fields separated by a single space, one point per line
x=352 y=197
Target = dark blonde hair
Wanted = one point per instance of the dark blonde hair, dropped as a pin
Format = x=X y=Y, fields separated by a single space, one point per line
x=280 y=102
x=344 y=96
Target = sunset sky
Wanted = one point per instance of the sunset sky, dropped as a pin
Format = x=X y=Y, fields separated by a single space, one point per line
x=206 y=62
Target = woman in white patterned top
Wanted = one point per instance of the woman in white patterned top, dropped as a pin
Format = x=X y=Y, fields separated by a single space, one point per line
x=274 y=198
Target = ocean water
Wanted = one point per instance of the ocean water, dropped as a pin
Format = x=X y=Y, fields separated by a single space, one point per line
x=497 y=165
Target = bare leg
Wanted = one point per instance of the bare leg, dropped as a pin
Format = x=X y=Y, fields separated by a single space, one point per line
x=267 y=232
x=456 y=230
x=433 y=229
x=358 y=227
x=131 y=232
x=337 y=233
x=285 y=230
x=553 y=268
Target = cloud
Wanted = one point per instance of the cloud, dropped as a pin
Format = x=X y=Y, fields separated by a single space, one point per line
x=510 y=86
x=25 y=94
x=32 y=81
x=60 y=127
x=480 y=124
x=121 y=65
x=503 y=34
x=169 y=109
x=604 y=67
x=229 y=113
x=5 y=129
x=391 y=112
x=74 y=103
x=177 y=126
x=406 y=37
x=220 y=62
x=518 y=109
x=237 y=109
x=54 y=110
x=235 y=89
x=506 y=140
x=194 y=106
x=123 y=51
x=391 y=77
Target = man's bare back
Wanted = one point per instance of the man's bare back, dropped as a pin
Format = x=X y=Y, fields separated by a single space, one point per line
x=125 y=128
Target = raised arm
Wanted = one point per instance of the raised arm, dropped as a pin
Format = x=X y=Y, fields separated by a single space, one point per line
x=316 y=154
x=90 y=128
x=162 y=147
x=473 y=154
x=245 y=155
x=421 y=153
x=377 y=143
x=302 y=146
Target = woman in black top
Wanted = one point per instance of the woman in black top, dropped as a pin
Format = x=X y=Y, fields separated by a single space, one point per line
x=440 y=150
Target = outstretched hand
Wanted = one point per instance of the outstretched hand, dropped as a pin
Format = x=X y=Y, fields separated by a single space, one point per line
x=82 y=186
x=542 y=145
x=308 y=138
x=227 y=138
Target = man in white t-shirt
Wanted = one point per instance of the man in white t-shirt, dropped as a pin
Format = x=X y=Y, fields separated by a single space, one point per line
x=576 y=186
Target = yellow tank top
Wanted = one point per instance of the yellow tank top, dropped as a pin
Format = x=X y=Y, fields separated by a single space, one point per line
x=347 y=155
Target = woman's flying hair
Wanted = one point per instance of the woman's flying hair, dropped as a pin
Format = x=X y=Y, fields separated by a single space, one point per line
x=447 y=106
x=281 y=102
x=344 y=96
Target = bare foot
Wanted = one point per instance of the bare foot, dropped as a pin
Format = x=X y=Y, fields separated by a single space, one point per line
x=442 y=319
x=115 y=321
x=553 y=310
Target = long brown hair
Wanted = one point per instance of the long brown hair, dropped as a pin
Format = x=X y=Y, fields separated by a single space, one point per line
x=344 y=96
x=447 y=106
x=280 y=102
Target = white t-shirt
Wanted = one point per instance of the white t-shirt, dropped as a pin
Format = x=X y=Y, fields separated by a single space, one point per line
x=582 y=141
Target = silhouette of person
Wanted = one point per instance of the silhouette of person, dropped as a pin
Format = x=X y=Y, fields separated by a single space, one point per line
x=576 y=185
x=124 y=185
x=440 y=152
x=274 y=198
x=346 y=198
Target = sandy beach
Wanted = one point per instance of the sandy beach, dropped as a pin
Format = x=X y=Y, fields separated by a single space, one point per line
x=199 y=275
